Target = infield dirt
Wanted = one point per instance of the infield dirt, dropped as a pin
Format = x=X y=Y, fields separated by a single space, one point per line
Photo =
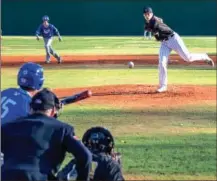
x=136 y=96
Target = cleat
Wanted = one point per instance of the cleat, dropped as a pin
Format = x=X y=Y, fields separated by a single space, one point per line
x=59 y=60
x=47 y=61
x=162 y=89
x=210 y=61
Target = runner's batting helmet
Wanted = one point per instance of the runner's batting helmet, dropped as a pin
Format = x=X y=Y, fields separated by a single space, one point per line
x=45 y=18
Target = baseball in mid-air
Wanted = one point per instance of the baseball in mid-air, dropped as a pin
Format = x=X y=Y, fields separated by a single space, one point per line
x=130 y=65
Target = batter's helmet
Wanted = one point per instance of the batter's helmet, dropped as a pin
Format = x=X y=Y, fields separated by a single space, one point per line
x=31 y=75
x=45 y=18
x=98 y=139
x=147 y=9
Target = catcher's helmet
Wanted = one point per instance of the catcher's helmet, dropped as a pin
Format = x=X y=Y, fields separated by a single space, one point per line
x=45 y=18
x=31 y=75
x=147 y=9
x=98 y=139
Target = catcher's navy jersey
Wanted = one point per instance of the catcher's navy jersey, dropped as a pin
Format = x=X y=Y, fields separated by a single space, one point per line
x=15 y=103
x=103 y=167
x=107 y=168
x=47 y=32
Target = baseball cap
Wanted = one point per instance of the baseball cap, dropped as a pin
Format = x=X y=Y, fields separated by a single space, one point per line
x=43 y=100
x=147 y=9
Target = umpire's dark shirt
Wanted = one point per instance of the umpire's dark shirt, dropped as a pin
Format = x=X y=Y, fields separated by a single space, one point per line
x=107 y=169
x=160 y=30
x=36 y=145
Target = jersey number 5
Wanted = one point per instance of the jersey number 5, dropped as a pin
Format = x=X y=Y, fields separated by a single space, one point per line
x=4 y=106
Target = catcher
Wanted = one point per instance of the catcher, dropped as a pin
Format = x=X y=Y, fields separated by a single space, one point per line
x=106 y=164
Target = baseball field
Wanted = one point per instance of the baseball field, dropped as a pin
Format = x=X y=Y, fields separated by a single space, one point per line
x=170 y=136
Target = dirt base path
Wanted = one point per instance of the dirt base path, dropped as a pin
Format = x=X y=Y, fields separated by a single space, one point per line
x=95 y=59
x=139 y=96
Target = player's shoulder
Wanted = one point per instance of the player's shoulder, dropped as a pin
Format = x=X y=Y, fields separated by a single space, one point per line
x=115 y=170
x=106 y=163
x=10 y=92
x=156 y=18
x=51 y=25
x=106 y=159
x=114 y=164
x=16 y=93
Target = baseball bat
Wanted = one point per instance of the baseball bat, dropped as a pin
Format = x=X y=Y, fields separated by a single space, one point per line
x=77 y=97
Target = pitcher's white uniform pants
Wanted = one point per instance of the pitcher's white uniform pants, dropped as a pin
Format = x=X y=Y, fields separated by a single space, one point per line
x=175 y=43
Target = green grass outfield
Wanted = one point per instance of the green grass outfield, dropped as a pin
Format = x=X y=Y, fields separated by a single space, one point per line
x=100 y=45
x=156 y=143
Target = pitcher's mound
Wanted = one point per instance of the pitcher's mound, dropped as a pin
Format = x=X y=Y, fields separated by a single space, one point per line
x=139 y=96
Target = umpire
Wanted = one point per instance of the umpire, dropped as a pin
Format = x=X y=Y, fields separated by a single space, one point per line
x=35 y=146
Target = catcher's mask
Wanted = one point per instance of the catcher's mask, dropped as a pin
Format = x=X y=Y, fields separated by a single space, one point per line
x=98 y=139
